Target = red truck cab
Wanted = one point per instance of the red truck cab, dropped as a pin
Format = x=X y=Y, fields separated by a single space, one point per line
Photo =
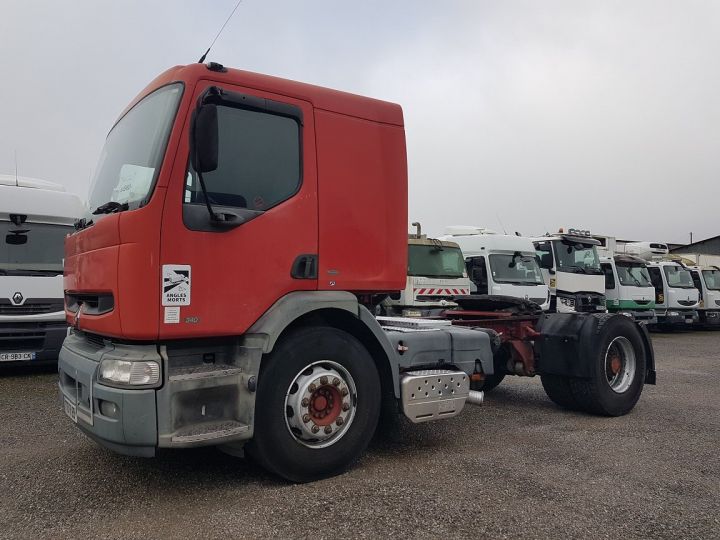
x=317 y=179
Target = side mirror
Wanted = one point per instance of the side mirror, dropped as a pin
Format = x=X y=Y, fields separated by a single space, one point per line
x=204 y=155
x=16 y=239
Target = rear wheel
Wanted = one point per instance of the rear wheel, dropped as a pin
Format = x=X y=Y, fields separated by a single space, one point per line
x=558 y=390
x=618 y=366
x=317 y=405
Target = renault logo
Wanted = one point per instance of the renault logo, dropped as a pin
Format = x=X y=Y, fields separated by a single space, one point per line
x=17 y=298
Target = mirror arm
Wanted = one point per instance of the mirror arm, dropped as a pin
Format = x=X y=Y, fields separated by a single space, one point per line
x=213 y=215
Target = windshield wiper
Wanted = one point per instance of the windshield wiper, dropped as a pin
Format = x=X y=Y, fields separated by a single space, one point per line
x=110 y=207
x=82 y=223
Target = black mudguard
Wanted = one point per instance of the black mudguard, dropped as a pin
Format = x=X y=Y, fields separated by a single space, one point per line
x=568 y=339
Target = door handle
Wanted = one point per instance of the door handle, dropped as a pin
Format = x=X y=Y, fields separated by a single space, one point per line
x=304 y=267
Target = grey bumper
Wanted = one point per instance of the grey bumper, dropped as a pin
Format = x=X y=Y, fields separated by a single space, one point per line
x=197 y=404
x=132 y=427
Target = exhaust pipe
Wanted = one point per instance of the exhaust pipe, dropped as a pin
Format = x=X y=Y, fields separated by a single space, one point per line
x=475 y=397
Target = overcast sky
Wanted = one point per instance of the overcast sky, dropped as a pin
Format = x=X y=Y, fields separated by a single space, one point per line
x=523 y=115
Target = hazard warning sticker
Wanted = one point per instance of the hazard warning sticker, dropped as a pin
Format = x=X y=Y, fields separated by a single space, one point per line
x=176 y=285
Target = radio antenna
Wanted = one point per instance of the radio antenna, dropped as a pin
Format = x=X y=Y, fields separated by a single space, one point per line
x=16 y=178
x=501 y=223
x=202 y=58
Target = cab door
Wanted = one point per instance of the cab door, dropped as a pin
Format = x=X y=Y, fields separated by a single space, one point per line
x=265 y=185
x=657 y=282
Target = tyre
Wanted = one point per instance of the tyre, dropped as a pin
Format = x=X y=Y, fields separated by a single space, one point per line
x=317 y=405
x=618 y=365
x=558 y=390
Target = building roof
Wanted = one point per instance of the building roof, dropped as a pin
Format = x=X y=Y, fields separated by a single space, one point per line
x=702 y=245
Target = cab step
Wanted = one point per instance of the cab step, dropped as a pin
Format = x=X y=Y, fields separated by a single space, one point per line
x=208 y=431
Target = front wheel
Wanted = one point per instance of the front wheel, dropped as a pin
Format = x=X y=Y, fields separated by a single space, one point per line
x=317 y=405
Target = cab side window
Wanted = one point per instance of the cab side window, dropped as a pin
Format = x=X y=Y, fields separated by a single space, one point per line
x=259 y=164
x=656 y=280
x=609 y=276
x=696 y=281
x=477 y=270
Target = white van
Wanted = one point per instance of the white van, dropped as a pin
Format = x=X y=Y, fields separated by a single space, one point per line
x=707 y=281
x=35 y=217
x=676 y=298
x=628 y=289
x=501 y=265
x=571 y=269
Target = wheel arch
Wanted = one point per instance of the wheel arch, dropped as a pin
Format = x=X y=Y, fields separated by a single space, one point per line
x=335 y=309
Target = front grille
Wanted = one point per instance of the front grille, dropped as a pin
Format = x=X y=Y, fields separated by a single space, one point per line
x=32 y=306
x=642 y=302
x=538 y=301
x=687 y=302
x=95 y=303
x=95 y=340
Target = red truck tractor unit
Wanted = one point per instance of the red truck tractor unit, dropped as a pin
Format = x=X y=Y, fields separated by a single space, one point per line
x=222 y=293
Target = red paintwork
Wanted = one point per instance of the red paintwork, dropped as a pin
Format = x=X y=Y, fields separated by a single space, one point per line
x=516 y=331
x=351 y=210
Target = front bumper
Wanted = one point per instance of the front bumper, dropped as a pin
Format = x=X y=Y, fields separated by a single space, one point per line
x=198 y=403
x=677 y=317
x=710 y=318
x=646 y=316
x=580 y=302
x=43 y=338
x=132 y=429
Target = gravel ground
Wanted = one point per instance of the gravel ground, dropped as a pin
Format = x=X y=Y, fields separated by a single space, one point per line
x=518 y=467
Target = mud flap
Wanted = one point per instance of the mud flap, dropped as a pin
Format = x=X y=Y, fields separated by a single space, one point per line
x=569 y=339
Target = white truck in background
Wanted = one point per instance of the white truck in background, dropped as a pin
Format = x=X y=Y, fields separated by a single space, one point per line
x=676 y=298
x=500 y=265
x=707 y=282
x=628 y=289
x=571 y=269
x=35 y=217
x=435 y=275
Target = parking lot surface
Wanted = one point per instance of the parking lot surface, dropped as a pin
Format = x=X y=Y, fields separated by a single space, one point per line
x=517 y=467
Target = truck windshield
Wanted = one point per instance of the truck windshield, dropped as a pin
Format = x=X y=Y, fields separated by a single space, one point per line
x=433 y=261
x=633 y=275
x=518 y=269
x=678 y=277
x=32 y=248
x=134 y=149
x=576 y=257
x=712 y=279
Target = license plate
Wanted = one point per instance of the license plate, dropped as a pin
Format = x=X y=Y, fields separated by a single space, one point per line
x=16 y=356
x=71 y=410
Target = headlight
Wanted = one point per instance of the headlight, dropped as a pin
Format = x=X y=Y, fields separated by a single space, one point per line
x=627 y=314
x=124 y=373
x=673 y=313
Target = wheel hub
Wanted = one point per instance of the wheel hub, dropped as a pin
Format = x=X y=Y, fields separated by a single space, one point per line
x=620 y=364
x=320 y=404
